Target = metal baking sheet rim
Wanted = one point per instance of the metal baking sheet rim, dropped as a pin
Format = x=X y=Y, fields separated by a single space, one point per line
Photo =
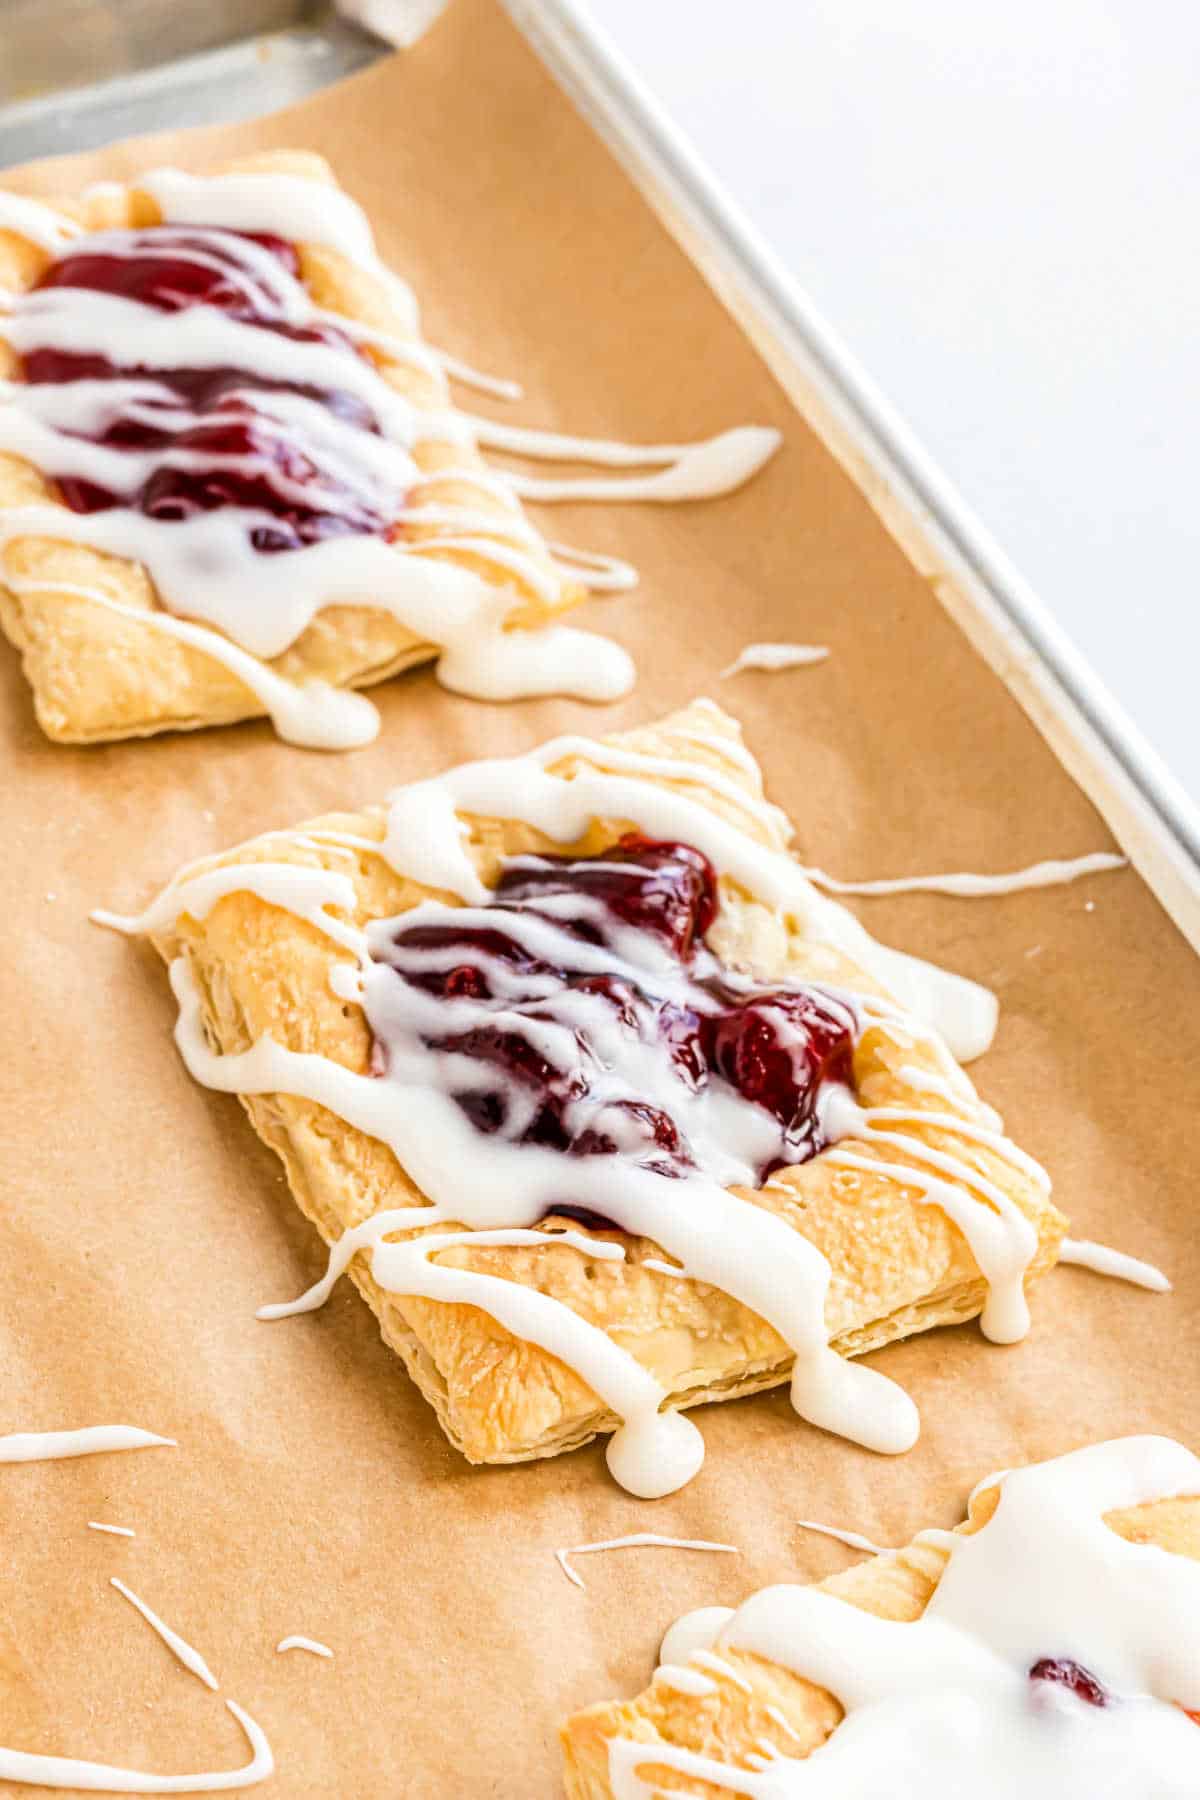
x=1148 y=811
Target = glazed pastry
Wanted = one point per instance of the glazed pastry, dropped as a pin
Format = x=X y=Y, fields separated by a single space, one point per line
x=682 y=1128
x=1048 y=1647
x=232 y=481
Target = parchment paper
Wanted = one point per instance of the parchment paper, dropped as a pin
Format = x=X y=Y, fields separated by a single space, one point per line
x=142 y=1224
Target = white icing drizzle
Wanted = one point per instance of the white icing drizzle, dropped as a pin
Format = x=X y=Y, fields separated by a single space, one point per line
x=308 y=894
x=949 y=1701
x=640 y=1540
x=696 y=1630
x=1098 y=1257
x=303 y=1643
x=774 y=657
x=1053 y=873
x=179 y=1647
x=500 y=385
x=853 y=1539
x=116 y=1530
x=716 y=1665
x=103 y=1778
x=291 y=206
x=693 y=472
x=217 y=593
x=424 y=842
x=950 y=1085
x=92 y=1440
x=777 y=1718
x=38 y=224
x=192 y=563
x=683 y=1680
x=602 y=574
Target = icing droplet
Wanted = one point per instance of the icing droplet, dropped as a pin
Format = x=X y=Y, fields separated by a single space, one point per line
x=1103 y=1261
x=654 y=1456
x=179 y=1647
x=640 y=1540
x=774 y=657
x=303 y=1643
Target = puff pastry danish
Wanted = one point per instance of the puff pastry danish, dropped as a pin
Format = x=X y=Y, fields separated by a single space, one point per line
x=232 y=481
x=1048 y=1647
x=676 y=1138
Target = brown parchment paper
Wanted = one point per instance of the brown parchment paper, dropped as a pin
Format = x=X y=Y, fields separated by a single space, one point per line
x=142 y=1224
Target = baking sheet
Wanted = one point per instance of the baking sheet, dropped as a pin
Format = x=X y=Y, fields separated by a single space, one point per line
x=142 y=1224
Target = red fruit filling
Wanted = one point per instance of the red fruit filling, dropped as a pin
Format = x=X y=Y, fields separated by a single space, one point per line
x=218 y=413
x=1072 y=1676
x=650 y=904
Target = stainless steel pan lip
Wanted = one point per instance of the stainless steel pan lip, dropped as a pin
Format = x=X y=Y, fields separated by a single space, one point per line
x=248 y=75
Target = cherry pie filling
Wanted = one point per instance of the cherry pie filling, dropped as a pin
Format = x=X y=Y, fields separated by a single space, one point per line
x=1073 y=1677
x=650 y=905
x=238 y=454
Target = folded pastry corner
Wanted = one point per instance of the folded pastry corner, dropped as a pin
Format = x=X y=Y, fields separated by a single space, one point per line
x=1041 y=1648
x=673 y=1139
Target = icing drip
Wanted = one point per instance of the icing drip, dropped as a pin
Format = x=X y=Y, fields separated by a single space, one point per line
x=970 y=1686
x=773 y=657
x=102 y=1778
x=1054 y=873
x=116 y=1530
x=44 y=1446
x=1002 y=1240
x=640 y=1540
x=706 y=1659
x=1098 y=1257
x=602 y=574
x=853 y=1539
x=499 y=385
x=693 y=472
x=179 y=1648
x=303 y=1643
x=200 y=415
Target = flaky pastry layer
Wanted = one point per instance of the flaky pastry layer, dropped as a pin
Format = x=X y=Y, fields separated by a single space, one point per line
x=898 y=1265
x=97 y=674
x=776 y=1706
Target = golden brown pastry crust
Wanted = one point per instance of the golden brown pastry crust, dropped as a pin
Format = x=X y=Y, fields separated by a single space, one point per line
x=728 y=1724
x=97 y=674
x=899 y=1266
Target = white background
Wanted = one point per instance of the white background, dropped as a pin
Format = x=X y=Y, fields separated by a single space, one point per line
x=996 y=204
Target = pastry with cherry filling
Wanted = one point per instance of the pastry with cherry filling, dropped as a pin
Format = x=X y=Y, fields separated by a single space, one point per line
x=607 y=1112
x=232 y=480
